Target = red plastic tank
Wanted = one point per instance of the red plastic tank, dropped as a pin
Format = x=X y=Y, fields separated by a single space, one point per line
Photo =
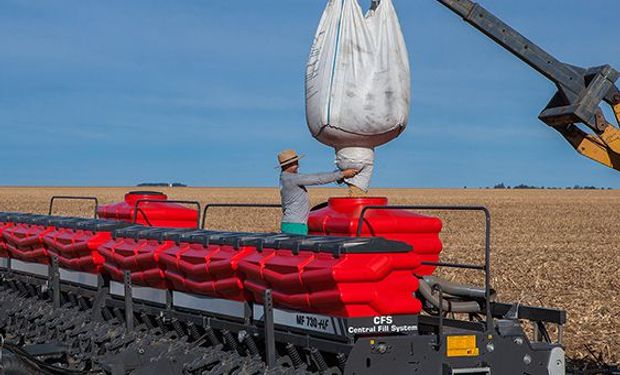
x=24 y=239
x=4 y=251
x=132 y=251
x=206 y=263
x=369 y=279
x=209 y=270
x=341 y=215
x=75 y=243
x=155 y=214
x=4 y=223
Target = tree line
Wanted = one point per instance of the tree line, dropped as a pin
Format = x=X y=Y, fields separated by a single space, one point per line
x=532 y=187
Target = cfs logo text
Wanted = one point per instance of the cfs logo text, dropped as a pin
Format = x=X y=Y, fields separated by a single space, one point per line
x=382 y=320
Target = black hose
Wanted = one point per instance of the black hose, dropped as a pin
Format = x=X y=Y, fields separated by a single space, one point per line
x=448 y=306
x=458 y=290
x=11 y=365
x=35 y=366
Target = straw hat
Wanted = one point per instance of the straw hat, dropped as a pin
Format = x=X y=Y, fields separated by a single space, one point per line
x=287 y=157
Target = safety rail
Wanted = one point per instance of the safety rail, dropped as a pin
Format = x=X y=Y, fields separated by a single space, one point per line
x=139 y=201
x=235 y=205
x=69 y=197
x=486 y=268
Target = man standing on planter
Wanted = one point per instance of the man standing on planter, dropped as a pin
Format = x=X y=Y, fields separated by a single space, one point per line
x=295 y=200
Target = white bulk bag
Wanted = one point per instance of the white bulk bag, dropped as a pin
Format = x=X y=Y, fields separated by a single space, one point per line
x=358 y=83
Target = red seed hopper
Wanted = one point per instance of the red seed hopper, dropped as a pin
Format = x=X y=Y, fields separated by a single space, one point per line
x=150 y=208
x=206 y=263
x=339 y=276
x=24 y=239
x=75 y=242
x=340 y=217
x=5 y=222
x=136 y=249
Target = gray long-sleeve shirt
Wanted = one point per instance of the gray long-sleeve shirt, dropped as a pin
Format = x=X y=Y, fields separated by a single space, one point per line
x=295 y=201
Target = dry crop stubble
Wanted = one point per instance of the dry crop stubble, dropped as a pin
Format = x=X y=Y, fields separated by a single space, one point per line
x=550 y=247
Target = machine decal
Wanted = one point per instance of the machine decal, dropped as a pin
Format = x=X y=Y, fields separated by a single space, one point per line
x=462 y=346
x=382 y=325
x=306 y=321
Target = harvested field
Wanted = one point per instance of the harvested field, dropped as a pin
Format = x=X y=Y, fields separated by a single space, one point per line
x=554 y=248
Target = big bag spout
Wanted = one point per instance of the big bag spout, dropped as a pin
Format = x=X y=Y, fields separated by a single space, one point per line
x=358 y=81
x=358 y=158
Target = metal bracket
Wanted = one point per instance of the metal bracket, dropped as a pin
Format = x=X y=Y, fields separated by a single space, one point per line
x=513 y=313
x=169 y=301
x=99 y=303
x=55 y=282
x=128 y=301
x=248 y=313
x=438 y=289
x=270 y=339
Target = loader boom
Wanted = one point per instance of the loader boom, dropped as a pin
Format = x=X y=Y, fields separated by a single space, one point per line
x=580 y=91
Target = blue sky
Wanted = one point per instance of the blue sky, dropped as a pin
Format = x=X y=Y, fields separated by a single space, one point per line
x=207 y=92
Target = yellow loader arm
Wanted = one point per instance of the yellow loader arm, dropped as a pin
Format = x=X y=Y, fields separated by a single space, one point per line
x=603 y=148
x=580 y=90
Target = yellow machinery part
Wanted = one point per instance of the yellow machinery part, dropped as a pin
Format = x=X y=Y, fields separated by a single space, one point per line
x=604 y=150
x=611 y=137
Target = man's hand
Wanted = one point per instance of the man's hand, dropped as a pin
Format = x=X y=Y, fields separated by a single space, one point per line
x=348 y=173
